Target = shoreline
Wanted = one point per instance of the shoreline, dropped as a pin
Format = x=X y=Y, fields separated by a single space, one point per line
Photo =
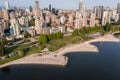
x=60 y=59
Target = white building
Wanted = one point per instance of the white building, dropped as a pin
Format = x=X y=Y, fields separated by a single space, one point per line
x=7 y=7
x=23 y=21
x=118 y=9
x=16 y=27
x=92 y=19
x=71 y=19
x=54 y=30
x=62 y=29
x=78 y=21
x=1 y=32
x=105 y=18
x=62 y=20
x=115 y=16
x=81 y=7
x=38 y=26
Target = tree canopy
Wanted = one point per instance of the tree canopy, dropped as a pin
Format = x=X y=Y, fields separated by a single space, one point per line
x=107 y=27
x=2 y=47
x=43 y=39
x=27 y=35
x=32 y=22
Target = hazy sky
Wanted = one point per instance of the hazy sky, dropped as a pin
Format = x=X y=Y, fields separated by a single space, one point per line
x=64 y=4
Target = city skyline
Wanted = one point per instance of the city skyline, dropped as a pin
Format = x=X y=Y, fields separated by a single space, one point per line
x=72 y=4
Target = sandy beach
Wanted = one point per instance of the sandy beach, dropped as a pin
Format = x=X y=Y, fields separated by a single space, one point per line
x=60 y=59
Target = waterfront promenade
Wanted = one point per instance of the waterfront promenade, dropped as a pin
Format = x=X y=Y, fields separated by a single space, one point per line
x=58 y=58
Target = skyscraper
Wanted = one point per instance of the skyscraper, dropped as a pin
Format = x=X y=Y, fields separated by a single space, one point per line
x=38 y=26
x=15 y=26
x=36 y=9
x=50 y=7
x=81 y=7
x=30 y=8
x=7 y=7
x=1 y=31
x=118 y=9
x=5 y=14
x=36 y=5
x=99 y=12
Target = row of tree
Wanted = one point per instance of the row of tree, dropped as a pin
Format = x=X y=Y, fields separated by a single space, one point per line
x=88 y=30
x=45 y=38
x=2 y=47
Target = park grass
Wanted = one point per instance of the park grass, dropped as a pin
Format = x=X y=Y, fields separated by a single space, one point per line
x=10 y=49
x=21 y=49
x=11 y=59
x=31 y=51
x=56 y=44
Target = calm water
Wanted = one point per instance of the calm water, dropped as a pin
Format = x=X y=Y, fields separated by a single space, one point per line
x=104 y=65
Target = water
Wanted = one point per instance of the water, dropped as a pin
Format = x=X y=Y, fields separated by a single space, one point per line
x=102 y=65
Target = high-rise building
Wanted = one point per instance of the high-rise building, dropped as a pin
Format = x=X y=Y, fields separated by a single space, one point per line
x=12 y=15
x=62 y=19
x=71 y=18
x=105 y=17
x=30 y=8
x=81 y=7
x=5 y=14
x=53 y=18
x=38 y=26
x=1 y=14
x=1 y=31
x=7 y=7
x=118 y=9
x=16 y=27
x=36 y=5
x=23 y=21
x=48 y=19
x=92 y=19
x=36 y=9
x=115 y=15
x=50 y=8
x=78 y=21
x=99 y=12
x=53 y=10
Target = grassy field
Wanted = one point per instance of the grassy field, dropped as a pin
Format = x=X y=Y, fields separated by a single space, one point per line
x=56 y=44
x=22 y=52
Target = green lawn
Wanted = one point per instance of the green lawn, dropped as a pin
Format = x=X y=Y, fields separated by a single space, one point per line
x=56 y=44
x=11 y=49
x=22 y=52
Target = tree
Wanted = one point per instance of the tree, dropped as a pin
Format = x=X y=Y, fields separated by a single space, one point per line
x=75 y=32
x=31 y=22
x=50 y=37
x=59 y=35
x=2 y=47
x=27 y=35
x=107 y=27
x=43 y=39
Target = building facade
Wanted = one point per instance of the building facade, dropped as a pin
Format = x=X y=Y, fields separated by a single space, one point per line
x=36 y=9
x=7 y=6
x=118 y=9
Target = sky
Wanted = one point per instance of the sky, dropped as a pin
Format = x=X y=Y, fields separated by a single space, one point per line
x=63 y=4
